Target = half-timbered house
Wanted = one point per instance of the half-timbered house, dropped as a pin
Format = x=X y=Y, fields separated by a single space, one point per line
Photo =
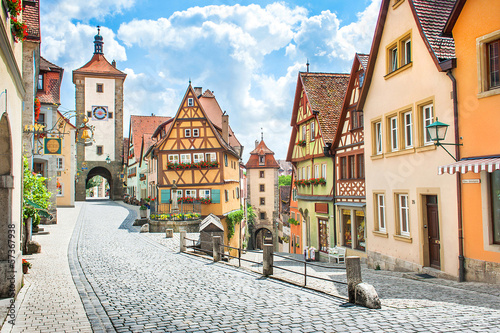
x=348 y=150
x=316 y=112
x=200 y=153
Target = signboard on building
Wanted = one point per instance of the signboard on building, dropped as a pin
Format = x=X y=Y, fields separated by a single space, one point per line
x=52 y=146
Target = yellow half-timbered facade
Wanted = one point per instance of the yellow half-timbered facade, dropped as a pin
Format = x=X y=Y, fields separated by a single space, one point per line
x=318 y=102
x=195 y=152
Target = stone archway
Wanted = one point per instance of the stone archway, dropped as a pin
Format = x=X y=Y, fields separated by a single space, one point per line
x=263 y=236
x=106 y=174
x=7 y=228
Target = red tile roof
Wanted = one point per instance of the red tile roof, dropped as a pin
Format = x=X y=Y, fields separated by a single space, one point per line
x=100 y=66
x=141 y=125
x=52 y=77
x=214 y=113
x=325 y=92
x=31 y=17
x=269 y=161
x=363 y=59
x=432 y=16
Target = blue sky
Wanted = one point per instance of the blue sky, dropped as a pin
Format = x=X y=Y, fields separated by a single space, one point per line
x=248 y=52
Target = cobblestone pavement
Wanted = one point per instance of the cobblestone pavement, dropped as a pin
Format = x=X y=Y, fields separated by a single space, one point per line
x=145 y=286
x=49 y=301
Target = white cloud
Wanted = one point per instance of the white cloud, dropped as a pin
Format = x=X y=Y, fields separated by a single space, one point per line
x=250 y=55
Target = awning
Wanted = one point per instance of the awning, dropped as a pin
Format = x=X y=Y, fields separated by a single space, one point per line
x=476 y=166
x=351 y=204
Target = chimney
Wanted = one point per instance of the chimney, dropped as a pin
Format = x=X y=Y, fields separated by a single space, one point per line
x=256 y=143
x=197 y=91
x=113 y=63
x=225 y=127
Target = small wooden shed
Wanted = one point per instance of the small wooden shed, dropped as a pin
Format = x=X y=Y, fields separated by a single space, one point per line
x=211 y=226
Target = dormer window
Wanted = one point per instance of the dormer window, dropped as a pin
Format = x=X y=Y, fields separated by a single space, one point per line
x=262 y=159
x=40 y=82
x=190 y=102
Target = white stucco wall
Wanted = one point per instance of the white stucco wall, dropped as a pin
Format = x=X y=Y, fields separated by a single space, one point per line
x=104 y=134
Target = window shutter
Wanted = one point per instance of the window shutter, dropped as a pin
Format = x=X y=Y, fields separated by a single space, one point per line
x=215 y=196
x=165 y=196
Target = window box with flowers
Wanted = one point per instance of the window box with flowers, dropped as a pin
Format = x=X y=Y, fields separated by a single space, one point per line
x=197 y=165
x=37 y=109
x=18 y=29
x=301 y=143
x=185 y=200
x=205 y=201
x=312 y=181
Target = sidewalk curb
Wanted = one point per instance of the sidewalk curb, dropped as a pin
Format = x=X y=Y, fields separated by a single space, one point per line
x=96 y=314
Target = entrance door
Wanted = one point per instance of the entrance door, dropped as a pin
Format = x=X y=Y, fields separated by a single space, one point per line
x=433 y=224
x=323 y=235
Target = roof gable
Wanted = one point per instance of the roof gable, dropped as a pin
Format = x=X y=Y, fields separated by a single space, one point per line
x=99 y=66
x=262 y=150
x=430 y=17
x=141 y=125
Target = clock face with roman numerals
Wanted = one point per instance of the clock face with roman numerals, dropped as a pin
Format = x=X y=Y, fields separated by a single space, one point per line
x=100 y=112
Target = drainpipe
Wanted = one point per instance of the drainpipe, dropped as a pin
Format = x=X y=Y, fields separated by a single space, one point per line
x=461 y=259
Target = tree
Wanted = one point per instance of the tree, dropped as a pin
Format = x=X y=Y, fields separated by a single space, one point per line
x=94 y=181
x=285 y=180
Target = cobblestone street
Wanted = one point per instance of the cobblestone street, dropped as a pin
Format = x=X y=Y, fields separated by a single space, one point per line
x=141 y=283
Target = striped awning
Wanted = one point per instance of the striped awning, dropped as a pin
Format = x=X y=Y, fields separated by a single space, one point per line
x=476 y=166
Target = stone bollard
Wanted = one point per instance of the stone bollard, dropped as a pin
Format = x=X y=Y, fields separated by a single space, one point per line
x=267 y=266
x=353 y=272
x=183 y=241
x=169 y=233
x=216 y=248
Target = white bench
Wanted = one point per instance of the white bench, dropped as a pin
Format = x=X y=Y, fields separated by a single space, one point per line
x=338 y=253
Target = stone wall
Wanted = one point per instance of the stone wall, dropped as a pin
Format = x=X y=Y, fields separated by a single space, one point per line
x=482 y=271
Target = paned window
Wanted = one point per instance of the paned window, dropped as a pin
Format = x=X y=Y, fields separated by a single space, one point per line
x=378 y=138
x=407 y=51
x=261 y=174
x=210 y=157
x=316 y=171
x=408 y=128
x=174 y=158
x=308 y=172
x=185 y=158
x=262 y=159
x=59 y=163
x=190 y=193
x=40 y=82
x=99 y=88
x=262 y=215
x=494 y=64
x=262 y=201
x=226 y=195
x=361 y=166
x=187 y=133
x=99 y=150
x=428 y=118
x=196 y=132
x=300 y=173
x=393 y=62
x=304 y=133
x=323 y=171
x=190 y=102
x=197 y=157
x=352 y=166
x=404 y=223
x=294 y=194
x=312 y=131
x=262 y=188
x=343 y=167
x=205 y=194
x=381 y=212
x=225 y=160
x=495 y=205
x=393 y=122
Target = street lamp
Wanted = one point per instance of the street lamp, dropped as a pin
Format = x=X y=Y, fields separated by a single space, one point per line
x=437 y=132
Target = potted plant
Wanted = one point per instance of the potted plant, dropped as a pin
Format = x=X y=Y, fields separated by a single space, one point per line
x=26 y=266
x=144 y=211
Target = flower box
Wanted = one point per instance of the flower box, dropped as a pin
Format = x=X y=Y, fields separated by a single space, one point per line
x=196 y=165
x=312 y=181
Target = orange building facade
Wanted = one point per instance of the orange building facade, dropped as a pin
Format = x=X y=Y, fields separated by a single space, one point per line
x=475 y=27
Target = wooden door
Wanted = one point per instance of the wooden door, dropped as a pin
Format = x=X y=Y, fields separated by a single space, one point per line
x=433 y=232
x=323 y=235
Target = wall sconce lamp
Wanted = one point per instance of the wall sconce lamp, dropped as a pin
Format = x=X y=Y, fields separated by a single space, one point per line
x=437 y=132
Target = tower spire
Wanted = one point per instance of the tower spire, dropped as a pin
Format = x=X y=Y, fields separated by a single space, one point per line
x=261 y=134
x=307 y=65
x=98 y=42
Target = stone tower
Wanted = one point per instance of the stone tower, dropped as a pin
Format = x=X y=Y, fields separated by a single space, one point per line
x=99 y=97
x=262 y=180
